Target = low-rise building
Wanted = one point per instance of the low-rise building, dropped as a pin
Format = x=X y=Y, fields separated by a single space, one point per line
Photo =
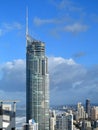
x=64 y=122
x=7 y=116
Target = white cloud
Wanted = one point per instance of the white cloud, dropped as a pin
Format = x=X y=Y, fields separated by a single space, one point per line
x=19 y=96
x=55 y=61
x=38 y=21
x=59 y=60
x=76 y=84
x=6 y=27
x=65 y=20
x=12 y=26
x=67 y=5
x=76 y=27
x=69 y=82
x=62 y=25
x=13 y=76
x=72 y=83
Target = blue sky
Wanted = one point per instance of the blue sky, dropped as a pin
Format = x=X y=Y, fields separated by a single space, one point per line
x=69 y=29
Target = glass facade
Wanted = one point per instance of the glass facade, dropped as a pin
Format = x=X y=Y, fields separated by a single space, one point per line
x=37 y=84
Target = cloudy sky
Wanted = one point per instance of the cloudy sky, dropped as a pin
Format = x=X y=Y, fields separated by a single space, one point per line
x=69 y=29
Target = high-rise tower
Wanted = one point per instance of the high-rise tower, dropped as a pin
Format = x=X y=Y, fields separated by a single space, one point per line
x=88 y=107
x=37 y=83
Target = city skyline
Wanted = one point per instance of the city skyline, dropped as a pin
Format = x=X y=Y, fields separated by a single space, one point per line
x=69 y=30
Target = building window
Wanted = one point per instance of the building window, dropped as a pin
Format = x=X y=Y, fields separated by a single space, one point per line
x=13 y=128
x=35 y=66
x=43 y=67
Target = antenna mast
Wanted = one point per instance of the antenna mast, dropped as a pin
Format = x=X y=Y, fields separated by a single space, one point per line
x=26 y=21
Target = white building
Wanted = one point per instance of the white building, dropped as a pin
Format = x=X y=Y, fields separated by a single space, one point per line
x=32 y=125
x=52 y=120
x=52 y=123
x=86 y=125
x=80 y=111
x=64 y=122
x=7 y=116
x=94 y=113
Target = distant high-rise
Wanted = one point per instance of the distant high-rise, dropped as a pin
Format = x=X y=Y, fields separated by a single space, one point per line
x=88 y=107
x=80 y=110
x=94 y=113
x=37 y=83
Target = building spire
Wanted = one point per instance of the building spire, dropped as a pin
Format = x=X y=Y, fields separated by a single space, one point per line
x=26 y=21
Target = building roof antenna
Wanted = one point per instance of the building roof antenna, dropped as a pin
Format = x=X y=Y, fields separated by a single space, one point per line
x=26 y=21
